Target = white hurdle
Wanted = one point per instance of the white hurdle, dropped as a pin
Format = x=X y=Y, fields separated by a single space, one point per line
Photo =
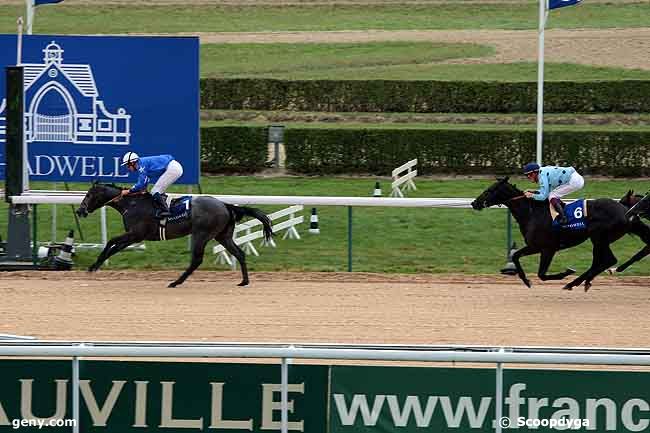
x=406 y=180
x=246 y=241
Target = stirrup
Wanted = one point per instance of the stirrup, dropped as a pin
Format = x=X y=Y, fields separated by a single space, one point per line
x=161 y=214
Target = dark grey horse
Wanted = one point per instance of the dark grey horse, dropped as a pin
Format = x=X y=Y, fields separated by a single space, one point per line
x=210 y=219
x=606 y=224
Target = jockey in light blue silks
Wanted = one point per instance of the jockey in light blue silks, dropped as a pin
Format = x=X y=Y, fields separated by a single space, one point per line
x=554 y=183
x=164 y=169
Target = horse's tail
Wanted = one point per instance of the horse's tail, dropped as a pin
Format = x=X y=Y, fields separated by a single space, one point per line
x=239 y=212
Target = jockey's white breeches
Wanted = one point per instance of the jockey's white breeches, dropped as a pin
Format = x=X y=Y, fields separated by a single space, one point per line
x=173 y=172
x=576 y=182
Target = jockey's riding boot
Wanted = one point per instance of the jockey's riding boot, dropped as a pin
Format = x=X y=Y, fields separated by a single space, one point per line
x=561 y=216
x=161 y=211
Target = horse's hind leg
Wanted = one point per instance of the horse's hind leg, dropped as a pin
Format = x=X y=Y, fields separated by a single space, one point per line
x=544 y=263
x=603 y=258
x=199 y=241
x=230 y=246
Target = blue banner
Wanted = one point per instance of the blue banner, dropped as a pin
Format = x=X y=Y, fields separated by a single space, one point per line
x=44 y=2
x=91 y=99
x=554 y=4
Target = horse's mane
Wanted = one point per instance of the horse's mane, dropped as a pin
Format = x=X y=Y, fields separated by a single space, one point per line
x=517 y=190
x=512 y=186
x=112 y=185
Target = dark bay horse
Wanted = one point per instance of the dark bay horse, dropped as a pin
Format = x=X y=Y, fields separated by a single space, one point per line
x=606 y=223
x=210 y=219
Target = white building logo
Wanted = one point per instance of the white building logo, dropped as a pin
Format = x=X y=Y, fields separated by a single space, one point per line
x=62 y=105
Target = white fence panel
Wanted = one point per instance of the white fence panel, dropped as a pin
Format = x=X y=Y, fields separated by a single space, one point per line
x=404 y=183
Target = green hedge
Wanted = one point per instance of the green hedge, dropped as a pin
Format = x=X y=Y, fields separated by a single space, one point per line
x=316 y=151
x=424 y=96
x=233 y=149
x=379 y=151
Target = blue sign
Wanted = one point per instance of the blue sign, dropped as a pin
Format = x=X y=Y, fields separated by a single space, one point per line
x=91 y=99
x=555 y=4
x=44 y=2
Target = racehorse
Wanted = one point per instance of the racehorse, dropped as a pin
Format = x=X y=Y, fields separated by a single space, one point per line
x=209 y=219
x=606 y=223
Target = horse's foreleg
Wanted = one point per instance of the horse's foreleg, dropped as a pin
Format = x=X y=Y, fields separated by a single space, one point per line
x=643 y=231
x=230 y=246
x=638 y=256
x=113 y=246
x=199 y=241
x=522 y=252
x=102 y=256
x=545 y=262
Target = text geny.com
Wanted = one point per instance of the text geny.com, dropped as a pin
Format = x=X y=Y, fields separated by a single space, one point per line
x=41 y=422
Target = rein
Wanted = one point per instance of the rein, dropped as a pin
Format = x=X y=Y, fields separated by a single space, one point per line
x=519 y=197
x=120 y=196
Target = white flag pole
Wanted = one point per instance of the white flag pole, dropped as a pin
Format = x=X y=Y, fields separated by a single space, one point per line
x=19 y=42
x=543 y=13
x=30 y=15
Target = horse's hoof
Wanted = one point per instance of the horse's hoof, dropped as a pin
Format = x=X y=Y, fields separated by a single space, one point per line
x=587 y=286
x=611 y=271
x=527 y=283
x=243 y=283
x=173 y=284
x=92 y=269
x=567 y=287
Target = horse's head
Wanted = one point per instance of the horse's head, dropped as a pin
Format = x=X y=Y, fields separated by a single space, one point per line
x=97 y=196
x=498 y=193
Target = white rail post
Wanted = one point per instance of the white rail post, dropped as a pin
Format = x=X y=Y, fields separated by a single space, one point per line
x=498 y=412
x=248 y=247
x=102 y=215
x=54 y=220
x=291 y=232
x=284 y=394
x=233 y=259
x=410 y=185
x=189 y=238
x=543 y=13
x=75 y=392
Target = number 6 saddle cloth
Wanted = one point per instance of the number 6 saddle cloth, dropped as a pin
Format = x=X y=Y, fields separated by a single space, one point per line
x=575 y=212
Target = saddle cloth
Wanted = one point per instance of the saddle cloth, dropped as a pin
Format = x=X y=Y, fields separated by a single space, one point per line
x=576 y=213
x=180 y=210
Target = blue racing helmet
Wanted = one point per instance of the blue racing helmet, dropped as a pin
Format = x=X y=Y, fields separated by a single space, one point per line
x=531 y=167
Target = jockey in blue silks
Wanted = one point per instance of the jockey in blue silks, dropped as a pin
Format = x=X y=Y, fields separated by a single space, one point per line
x=554 y=183
x=164 y=169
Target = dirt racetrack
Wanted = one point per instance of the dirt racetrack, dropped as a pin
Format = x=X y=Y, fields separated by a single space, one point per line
x=327 y=307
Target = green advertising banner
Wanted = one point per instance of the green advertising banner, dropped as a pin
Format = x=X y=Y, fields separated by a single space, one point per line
x=124 y=397
x=410 y=399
